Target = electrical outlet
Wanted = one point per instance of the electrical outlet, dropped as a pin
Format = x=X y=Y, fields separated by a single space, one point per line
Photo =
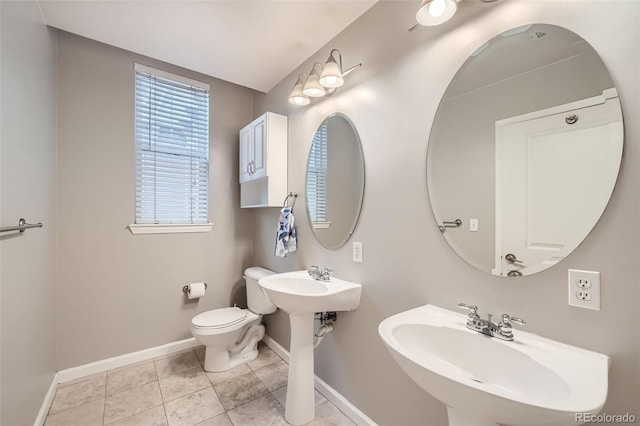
x=357 y=252
x=584 y=289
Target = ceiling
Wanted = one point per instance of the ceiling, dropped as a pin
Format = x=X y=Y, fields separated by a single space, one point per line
x=253 y=43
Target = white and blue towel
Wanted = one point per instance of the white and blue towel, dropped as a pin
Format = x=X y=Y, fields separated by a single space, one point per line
x=286 y=235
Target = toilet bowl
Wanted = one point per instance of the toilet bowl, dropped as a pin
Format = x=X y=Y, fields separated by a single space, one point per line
x=231 y=335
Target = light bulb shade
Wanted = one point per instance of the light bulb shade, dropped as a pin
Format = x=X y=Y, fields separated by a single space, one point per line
x=331 y=76
x=436 y=12
x=297 y=97
x=312 y=87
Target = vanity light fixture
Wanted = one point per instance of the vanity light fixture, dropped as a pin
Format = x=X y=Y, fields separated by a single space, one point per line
x=297 y=97
x=312 y=87
x=322 y=80
x=436 y=12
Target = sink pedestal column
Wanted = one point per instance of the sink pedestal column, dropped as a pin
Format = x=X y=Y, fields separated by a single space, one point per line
x=300 y=407
x=456 y=418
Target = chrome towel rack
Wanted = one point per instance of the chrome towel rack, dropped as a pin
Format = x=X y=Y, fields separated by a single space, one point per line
x=22 y=225
x=293 y=195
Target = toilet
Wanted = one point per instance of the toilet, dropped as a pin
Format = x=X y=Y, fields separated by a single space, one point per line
x=231 y=335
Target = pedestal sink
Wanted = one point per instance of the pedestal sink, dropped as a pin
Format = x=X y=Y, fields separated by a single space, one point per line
x=486 y=381
x=301 y=296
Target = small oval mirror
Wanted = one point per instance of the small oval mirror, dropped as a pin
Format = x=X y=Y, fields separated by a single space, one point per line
x=524 y=150
x=335 y=181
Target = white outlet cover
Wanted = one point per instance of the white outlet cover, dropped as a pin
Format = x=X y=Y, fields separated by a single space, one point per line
x=584 y=289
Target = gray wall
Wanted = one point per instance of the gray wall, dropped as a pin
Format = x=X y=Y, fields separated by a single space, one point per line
x=27 y=189
x=117 y=292
x=392 y=100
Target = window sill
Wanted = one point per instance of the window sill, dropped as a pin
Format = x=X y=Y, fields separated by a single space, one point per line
x=152 y=228
x=321 y=225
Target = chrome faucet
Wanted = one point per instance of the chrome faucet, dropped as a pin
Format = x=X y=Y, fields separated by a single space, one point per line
x=501 y=330
x=316 y=274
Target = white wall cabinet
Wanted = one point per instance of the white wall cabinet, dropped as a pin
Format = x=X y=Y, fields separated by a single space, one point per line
x=263 y=161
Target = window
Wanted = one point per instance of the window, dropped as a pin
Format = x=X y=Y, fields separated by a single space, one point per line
x=172 y=152
x=317 y=178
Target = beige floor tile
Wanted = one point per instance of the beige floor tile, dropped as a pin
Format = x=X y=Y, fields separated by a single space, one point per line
x=240 y=390
x=194 y=408
x=219 y=420
x=184 y=383
x=176 y=363
x=274 y=376
x=225 y=376
x=199 y=351
x=152 y=417
x=264 y=411
x=133 y=401
x=79 y=393
x=328 y=415
x=266 y=356
x=89 y=414
x=281 y=396
x=82 y=379
x=124 y=379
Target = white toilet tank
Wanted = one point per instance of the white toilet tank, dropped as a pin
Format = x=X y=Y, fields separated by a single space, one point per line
x=257 y=301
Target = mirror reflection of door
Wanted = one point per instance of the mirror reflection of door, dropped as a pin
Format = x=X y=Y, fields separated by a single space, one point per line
x=503 y=160
x=548 y=167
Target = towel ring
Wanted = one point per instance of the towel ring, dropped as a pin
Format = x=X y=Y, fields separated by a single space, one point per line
x=293 y=195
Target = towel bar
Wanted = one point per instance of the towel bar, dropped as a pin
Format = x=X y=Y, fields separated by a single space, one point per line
x=22 y=225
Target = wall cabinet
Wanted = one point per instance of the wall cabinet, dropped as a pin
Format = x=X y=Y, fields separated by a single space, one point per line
x=263 y=161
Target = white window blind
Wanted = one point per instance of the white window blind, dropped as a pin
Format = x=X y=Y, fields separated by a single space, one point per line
x=172 y=148
x=317 y=176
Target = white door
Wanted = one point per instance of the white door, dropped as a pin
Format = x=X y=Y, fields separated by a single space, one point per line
x=549 y=169
x=259 y=166
x=245 y=153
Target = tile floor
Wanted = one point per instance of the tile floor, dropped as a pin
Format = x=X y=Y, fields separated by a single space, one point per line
x=175 y=390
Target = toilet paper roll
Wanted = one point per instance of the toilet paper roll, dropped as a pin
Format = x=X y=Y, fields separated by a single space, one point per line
x=196 y=290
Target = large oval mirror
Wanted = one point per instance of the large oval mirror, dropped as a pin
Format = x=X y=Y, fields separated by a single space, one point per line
x=524 y=150
x=335 y=181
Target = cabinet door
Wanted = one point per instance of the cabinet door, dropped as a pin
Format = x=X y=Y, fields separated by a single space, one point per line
x=259 y=165
x=246 y=148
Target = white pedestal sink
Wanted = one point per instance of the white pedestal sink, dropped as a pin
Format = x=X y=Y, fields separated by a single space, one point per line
x=301 y=296
x=486 y=381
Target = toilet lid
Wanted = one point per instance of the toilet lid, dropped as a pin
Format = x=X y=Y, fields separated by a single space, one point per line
x=218 y=318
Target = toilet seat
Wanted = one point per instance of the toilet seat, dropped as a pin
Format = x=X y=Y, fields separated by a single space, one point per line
x=219 y=318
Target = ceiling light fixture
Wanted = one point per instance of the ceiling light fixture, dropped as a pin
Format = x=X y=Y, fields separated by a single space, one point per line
x=322 y=80
x=436 y=12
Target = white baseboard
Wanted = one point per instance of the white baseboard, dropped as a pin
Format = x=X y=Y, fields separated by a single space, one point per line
x=332 y=395
x=126 y=359
x=46 y=402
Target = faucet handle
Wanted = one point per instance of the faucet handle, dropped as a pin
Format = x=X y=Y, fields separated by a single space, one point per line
x=472 y=308
x=506 y=319
x=313 y=268
x=473 y=315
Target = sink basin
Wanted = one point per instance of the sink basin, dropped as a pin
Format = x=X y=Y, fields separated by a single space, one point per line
x=486 y=381
x=296 y=292
x=301 y=297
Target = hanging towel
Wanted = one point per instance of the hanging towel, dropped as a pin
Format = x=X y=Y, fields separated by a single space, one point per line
x=286 y=235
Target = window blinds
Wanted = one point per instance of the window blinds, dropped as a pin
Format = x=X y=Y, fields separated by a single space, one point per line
x=317 y=176
x=172 y=148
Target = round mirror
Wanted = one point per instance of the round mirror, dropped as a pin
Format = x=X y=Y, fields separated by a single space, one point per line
x=524 y=150
x=335 y=181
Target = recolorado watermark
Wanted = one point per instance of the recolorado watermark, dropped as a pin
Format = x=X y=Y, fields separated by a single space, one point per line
x=605 y=418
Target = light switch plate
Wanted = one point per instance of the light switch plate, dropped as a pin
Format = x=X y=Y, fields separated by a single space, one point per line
x=357 y=252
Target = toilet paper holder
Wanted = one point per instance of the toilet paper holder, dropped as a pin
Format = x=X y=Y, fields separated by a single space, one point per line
x=185 y=289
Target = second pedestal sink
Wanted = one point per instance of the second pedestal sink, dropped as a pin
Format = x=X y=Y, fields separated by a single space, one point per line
x=301 y=297
x=486 y=381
